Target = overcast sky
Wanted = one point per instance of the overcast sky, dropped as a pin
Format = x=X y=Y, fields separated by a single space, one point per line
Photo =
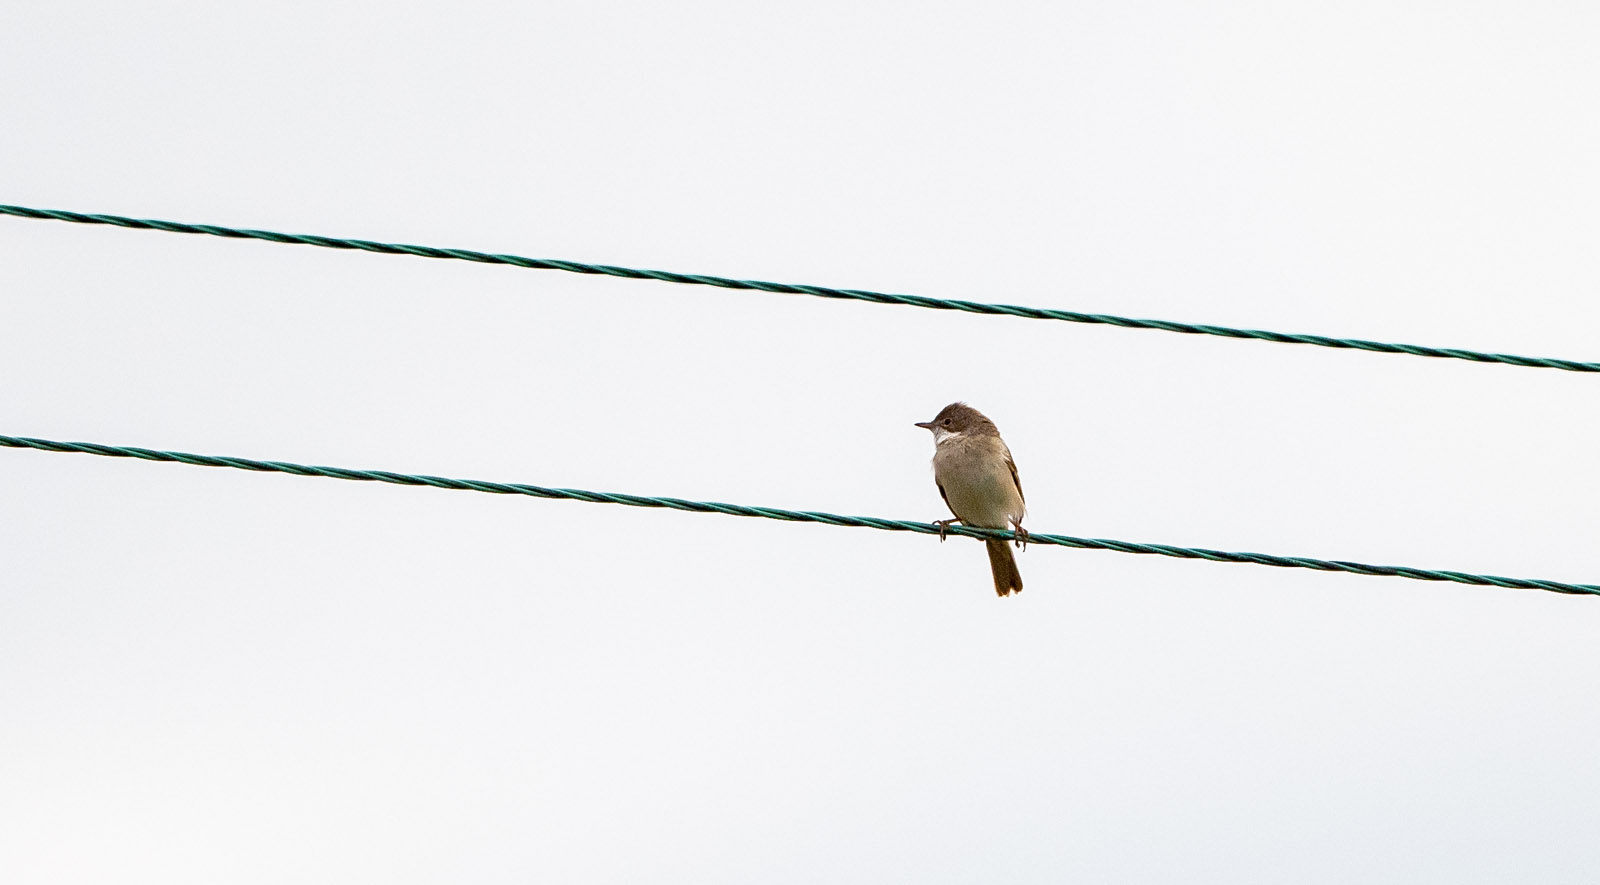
x=218 y=676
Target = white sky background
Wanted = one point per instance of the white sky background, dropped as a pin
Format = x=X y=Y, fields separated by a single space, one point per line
x=215 y=676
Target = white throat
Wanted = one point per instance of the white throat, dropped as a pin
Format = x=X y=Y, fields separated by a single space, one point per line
x=942 y=436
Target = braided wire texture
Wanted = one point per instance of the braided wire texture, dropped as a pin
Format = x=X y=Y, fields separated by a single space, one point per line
x=871 y=522
x=1035 y=313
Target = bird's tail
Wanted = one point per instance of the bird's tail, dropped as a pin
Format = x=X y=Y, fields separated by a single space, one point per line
x=1004 y=566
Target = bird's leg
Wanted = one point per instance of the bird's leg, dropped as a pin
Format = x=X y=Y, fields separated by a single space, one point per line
x=1022 y=535
x=944 y=524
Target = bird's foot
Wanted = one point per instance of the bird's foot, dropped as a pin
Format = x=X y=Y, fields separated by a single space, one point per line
x=944 y=524
x=1022 y=537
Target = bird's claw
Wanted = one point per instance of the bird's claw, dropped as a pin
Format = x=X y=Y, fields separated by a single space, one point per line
x=944 y=524
x=1021 y=539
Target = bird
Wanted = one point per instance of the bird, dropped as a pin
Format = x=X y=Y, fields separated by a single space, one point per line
x=978 y=480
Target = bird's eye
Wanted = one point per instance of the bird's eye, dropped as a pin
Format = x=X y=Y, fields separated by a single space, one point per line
x=945 y=422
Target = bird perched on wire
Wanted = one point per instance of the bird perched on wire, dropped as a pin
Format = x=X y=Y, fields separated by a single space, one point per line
x=978 y=480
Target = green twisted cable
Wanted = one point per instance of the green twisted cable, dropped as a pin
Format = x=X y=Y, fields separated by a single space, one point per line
x=1034 y=313
x=871 y=522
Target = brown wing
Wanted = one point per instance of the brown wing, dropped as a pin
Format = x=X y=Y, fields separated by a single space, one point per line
x=947 y=497
x=1018 y=482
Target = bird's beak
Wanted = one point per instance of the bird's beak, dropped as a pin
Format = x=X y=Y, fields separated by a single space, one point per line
x=925 y=425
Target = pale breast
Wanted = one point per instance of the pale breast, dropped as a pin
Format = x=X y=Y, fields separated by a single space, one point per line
x=977 y=482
